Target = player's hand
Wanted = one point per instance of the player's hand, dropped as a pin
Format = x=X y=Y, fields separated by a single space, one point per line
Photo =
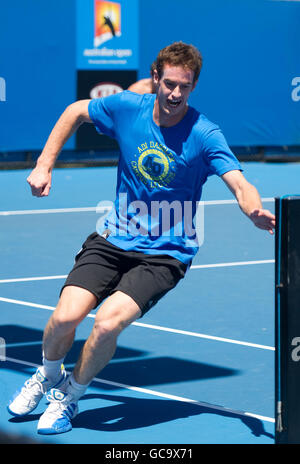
x=263 y=219
x=40 y=182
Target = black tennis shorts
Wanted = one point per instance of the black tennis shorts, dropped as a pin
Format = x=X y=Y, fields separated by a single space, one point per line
x=103 y=268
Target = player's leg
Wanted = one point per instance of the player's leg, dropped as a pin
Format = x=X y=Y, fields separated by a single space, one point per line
x=96 y=270
x=115 y=314
x=137 y=291
x=74 y=304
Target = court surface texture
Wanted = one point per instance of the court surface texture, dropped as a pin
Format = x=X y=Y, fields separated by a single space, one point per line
x=198 y=368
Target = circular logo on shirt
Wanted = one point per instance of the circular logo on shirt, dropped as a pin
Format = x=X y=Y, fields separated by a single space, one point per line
x=155 y=167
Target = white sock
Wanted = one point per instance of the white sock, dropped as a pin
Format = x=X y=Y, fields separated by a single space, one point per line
x=52 y=369
x=76 y=389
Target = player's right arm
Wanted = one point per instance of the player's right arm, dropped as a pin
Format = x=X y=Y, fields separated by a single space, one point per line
x=142 y=86
x=70 y=120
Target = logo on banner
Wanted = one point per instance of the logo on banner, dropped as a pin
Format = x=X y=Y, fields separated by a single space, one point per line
x=107 y=35
x=104 y=89
x=107 y=21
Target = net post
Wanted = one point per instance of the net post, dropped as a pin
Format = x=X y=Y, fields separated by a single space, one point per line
x=287 y=320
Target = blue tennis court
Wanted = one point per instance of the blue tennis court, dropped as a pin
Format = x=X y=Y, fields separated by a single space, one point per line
x=198 y=368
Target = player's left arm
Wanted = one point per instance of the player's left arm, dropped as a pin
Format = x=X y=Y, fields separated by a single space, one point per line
x=249 y=200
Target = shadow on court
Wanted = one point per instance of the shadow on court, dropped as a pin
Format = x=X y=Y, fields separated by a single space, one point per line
x=134 y=413
x=23 y=343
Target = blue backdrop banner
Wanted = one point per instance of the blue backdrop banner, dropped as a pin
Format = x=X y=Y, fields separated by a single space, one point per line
x=249 y=84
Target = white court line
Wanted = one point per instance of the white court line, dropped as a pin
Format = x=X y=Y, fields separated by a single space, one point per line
x=237 y=263
x=164 y=395
x=196 y=266
x=27 y=303
x=231 y=202
x=49 y=211
x=105 y=208
x=208 y=337
x=155 y=327
x=29 y=279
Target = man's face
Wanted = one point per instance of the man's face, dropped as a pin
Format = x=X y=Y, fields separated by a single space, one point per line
x=173 y=91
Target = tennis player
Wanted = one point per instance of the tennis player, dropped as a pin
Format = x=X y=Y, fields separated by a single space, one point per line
x=147 y=242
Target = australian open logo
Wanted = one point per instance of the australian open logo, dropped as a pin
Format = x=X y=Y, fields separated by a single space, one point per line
x=107 y=21
x=154 y=165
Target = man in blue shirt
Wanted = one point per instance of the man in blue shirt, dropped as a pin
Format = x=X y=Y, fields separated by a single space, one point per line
x=147 y=242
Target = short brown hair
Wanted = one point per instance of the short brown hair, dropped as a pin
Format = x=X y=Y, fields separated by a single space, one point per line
x=180 y=54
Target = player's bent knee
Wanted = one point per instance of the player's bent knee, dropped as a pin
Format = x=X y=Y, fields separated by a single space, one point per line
x=116 y=319
x=102 y=333
x=105 y=328
x=63 y=322
x=111 y=324
x=66 y=318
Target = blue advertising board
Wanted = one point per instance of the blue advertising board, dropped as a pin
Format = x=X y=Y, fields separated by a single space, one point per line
x=52 y=53
x=107 y=34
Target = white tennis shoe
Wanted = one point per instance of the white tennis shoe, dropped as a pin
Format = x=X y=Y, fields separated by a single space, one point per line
x=57 y=417
x=28 y=397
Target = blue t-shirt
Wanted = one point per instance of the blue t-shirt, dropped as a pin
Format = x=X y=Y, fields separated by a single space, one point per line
x=161 y=172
